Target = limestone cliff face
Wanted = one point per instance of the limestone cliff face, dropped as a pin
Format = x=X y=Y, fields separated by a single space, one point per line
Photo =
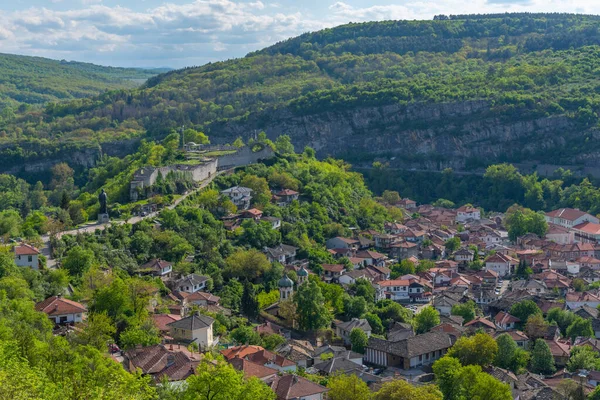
x=429 y=136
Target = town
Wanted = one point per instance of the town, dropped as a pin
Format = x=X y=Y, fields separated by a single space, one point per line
x=287 y=271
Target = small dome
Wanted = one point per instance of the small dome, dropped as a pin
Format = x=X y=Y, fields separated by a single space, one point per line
x=302 y=272
x=286 y=282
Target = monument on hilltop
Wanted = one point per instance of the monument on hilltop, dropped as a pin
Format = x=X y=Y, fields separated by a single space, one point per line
x=103 y=213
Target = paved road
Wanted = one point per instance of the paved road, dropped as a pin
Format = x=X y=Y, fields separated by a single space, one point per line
x=45 y=249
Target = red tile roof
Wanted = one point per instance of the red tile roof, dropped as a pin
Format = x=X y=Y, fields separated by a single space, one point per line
x=481 y=320
x=505 y=318
x=570 y=214
x=240 y=351
x=333 y=267
x=251 y=369
x=161 y=320
x=55 y=305
x=295 y=387
x=26 y=250
x=588 y=227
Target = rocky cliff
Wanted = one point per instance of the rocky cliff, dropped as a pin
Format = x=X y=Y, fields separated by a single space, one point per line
x=424 y=136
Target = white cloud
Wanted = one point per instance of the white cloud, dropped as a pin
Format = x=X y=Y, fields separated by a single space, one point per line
x=199 y=31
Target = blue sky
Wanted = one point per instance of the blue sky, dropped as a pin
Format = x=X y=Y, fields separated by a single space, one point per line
x=179 y=33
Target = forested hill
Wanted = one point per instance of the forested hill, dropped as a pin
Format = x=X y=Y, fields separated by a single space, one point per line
x=457 y=91
x=36 y=80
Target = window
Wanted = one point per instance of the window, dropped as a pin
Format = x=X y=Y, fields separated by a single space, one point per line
x=29 y=258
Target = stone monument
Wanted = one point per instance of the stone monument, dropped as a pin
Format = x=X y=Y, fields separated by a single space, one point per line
x=103 y=213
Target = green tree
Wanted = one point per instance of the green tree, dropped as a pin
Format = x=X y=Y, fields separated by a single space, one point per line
x=247 y=264
x=249 y=301
x=542 y=361
x=375 y=323
x=399 y=389
x=452 y=244
x=523 y=270
x=283 y=145
x=510 y=356
x=98 y=331
x=583 y=357
x=390 y=197
x=215 y=379
x=524 y=309
x=261 y=194
x=311 y=311
x=354 y=307
x=479 y=349
x=426 y=319
x=246 y=335
x=347 y=387
x=580 y=327
x=466 y=310
x=78 y=261
x=359 y=340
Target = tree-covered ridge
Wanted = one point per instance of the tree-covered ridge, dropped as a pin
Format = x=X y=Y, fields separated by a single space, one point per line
x=522 y=66
x=36 y=80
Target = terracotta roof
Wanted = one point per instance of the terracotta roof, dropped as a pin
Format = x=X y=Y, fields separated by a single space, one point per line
x=240 y=351
x=286 y=192
x=394 y=282
x=370 y=254
x=251 y=369
x=25 y=249
x=347 y=240
x=558 y=349
x=588 y=227
x=570 y=214
x=253 y=211
x=295 y=387
x=333 y=267
x=554 y=229
x=156 y=264
x=208 y=297
x=161 y=320
x=158 y=361
x=505 y=318
x=468 y=209
x=481 y=320
x=56 y=305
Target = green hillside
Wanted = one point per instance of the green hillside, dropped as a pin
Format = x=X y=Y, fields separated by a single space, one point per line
x=455 y=91
x=36 y=80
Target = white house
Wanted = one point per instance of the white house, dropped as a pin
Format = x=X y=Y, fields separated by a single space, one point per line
x=467 y=213
x=157 y=267
x=61 y=310
x=395 y=289
x=464 y=255
x=192 y=283
x=196 y=328
x=502 y=264
x=343 y=329
x=240 y=196
x=560 y=234
x=569 y=217
x=505 y=321
x=27 y=256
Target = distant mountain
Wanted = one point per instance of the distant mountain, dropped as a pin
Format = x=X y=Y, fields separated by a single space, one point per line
x=36 y=80
x=460 y=91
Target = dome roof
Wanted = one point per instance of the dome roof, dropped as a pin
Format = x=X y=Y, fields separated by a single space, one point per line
x=302 y=272
x=286 y=282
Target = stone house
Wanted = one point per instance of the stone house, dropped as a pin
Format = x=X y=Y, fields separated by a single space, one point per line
x=343 y=329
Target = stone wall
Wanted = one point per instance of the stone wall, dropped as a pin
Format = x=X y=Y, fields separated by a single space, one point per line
x=244 y=156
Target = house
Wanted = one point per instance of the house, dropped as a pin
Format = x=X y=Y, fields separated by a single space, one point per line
x=299 y=351
x=394 y=289
x=240 y=196
x=380 y=273
x=407 y=204
x=343 y=329
x=342 y=243
x=196 y=328
x=384 y=241
x=394 y=228
x=404 y=250
x=283 y=254
x=571 y=251
x=251 y=369
x=505 y=321
x=157 y=267
x=294 y=387
x=481 y=323
x=587 y=232
x=372 y=257
x=27 y=256
x=501 y=264
x=561 y=352
x=161 y=321
x=350 y=277
x=467 y=213
x=252 y=213
x=575 y=300
x=412 y=352
x=61 y=310
x=173 y=364
x=329 y=351
x=285 y=197
x=332 y=272
x=532 y=286
x=202 y=299
x=192 y=283
x=443 y=303
x=260 y=356
x=560 y=234
x=519 y=337
x=464 y=256
x=337 y=365
x=274 y=221
x=569 y=217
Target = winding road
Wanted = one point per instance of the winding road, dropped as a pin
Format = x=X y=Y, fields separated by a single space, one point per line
x=46 y=251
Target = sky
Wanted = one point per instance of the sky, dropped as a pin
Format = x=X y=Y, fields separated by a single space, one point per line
x=180 y=33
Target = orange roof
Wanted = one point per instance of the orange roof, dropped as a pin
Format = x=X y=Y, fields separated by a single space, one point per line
x=26 y=250
x=161 y=320
x=251 y=369
x=56 y=305
x=505 y=318
x=481 y=320
x=333 y=267
x=588 y=227
x=394 y=282
x=240 y=351
x=287 y=192
x=253 y=211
